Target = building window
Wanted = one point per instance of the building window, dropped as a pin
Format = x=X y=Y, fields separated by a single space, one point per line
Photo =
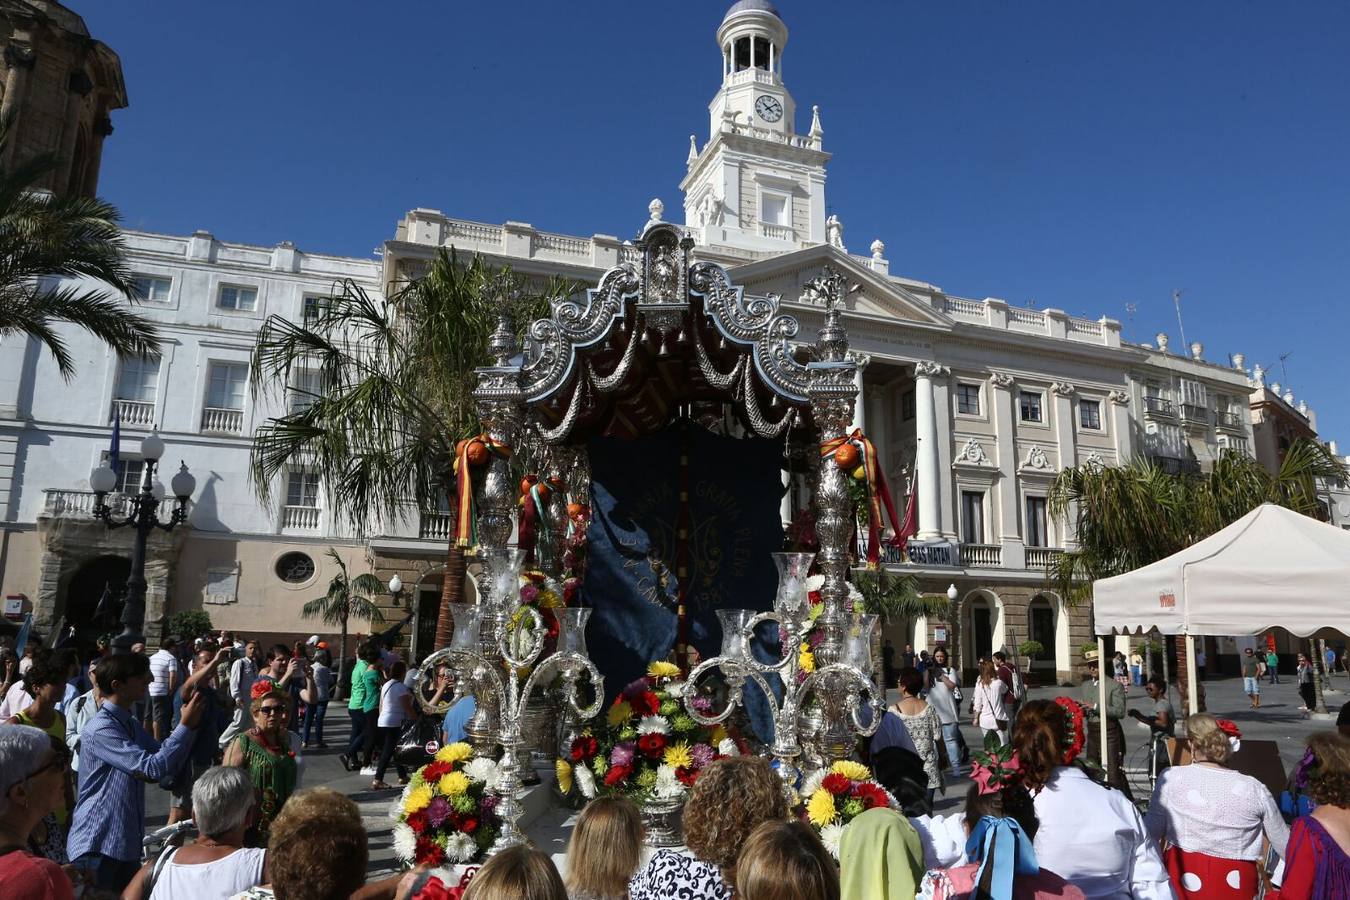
x=306 y=386
x=1090 y=414
x=225 y=386
x=295 y=568
x=241 y=299
x=968 y=399
x=1036 y=531
x=773 y=209
x=139 y=379
x=972 y=517
x=151 y=288
x=907 y=405
x=302 y=489
x=1029 y=403
x=312 y=307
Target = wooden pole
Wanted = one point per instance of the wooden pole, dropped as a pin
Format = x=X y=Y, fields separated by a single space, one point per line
x=1101 y=701
x=1192 y=690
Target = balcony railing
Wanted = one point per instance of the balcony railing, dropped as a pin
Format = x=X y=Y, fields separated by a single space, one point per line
x=302 y=518
x=1160 y=406
x=80 y=504
x=1230 y=420
x=225 y=421
x=777 y=232
x=132 y=412
x=1192 y=413
x=982 y=556
x=1043 y=557
x=435 y=526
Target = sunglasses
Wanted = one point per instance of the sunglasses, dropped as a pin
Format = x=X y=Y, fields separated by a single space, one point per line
x=272 y=710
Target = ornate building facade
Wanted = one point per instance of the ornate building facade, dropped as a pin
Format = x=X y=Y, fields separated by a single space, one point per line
x=974 y=404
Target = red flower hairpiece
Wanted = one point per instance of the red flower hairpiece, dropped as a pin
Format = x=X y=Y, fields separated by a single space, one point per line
x=1077 y=736
x=260 y=689
x=995 y=770
x=1229 y=727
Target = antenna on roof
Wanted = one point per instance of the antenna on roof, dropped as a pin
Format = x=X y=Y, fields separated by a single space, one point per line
x=1130 y=310
x=1176 y=299
x=1284 y=371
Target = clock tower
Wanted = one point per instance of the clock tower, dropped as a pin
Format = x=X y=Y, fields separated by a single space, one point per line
x=757 y=184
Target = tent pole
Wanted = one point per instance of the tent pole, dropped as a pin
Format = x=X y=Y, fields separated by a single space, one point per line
x=1101 y=704
x=1192 y=689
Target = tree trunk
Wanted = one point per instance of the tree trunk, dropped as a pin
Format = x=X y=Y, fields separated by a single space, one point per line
x=452 y=591
x=1320 y=704
x=342 y=658
x=1148 y=657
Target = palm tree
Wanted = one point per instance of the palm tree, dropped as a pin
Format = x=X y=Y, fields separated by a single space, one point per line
x=1132 y=515
x=44 y=238
x=395 y=393
x=347 y=598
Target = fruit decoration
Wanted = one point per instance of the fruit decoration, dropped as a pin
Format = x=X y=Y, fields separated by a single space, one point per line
x=477 y=453
x=846 y=457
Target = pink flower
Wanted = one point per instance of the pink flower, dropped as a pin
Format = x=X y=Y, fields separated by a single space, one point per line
x=622 y=754
x=437 y=811
x=702 y=754
x=529 y=593
x=702 y=704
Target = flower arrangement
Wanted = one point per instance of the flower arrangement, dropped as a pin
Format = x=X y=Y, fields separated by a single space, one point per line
x=833 y=798
x=447 y=814
x=574 y=550
x=645 y=747
x=1077 y=734
x=806 y=653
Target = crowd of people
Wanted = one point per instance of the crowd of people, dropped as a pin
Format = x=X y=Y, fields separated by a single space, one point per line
x=233 y=724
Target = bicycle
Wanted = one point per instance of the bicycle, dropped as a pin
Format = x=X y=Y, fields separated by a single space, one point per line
x=175 y=835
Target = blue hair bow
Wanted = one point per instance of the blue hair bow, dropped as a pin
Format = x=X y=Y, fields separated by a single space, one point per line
x=1002 y=844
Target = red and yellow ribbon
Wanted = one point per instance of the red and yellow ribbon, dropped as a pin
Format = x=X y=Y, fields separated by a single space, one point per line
x=466 y=516
x=878 y=492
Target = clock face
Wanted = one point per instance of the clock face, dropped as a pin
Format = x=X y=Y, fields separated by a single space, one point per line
x=769 y=109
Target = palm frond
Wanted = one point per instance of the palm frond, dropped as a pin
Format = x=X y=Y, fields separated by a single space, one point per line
x=36 y=311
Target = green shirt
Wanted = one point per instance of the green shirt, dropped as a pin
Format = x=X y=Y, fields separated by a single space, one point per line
x=358 y=697
x=1249 y=667
x=370 y=689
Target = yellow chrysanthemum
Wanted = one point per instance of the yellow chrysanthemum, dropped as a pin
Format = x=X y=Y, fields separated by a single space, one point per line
x=853 y=771
x=564 y=771
x=454 y=784
x=663 y=669
x=806 y=660
x=549 y=600
x=820 y=808
x=619 y=713
x=718 y=735
x=453 y=753
x=678 y=756
x=418 y=798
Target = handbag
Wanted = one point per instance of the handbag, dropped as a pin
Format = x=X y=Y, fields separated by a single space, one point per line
x=418 y=741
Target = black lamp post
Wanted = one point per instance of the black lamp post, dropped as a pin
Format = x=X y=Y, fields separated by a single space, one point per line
x=143 y=516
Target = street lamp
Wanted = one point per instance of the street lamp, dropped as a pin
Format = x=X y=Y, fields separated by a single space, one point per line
x=143 y=516
x=951 y=593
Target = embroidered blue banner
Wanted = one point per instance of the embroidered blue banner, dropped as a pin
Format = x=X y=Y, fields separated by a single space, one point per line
x=734 y=489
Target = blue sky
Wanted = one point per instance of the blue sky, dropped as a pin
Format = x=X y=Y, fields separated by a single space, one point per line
x=1074 y=155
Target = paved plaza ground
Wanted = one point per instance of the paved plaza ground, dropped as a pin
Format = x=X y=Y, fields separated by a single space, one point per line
x=1278 y=720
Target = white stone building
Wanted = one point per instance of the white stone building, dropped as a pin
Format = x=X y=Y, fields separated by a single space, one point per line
x=977 y=402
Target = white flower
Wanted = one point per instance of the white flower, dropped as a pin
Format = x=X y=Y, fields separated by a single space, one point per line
x=481 y=768
x=855 y=598
x=830 y=836
x=667 y=785
x=814 y=583
x=813 y=782
x=728 y=748
x=675 y=689
x=654 y=725
x=585 y=781
x=460 y=847
x=405 y=842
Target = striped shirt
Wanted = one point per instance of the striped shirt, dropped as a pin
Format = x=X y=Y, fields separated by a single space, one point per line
x=117 y=757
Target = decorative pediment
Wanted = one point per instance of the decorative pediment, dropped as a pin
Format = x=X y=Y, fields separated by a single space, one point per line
x=972 y=454
x=1037 y=461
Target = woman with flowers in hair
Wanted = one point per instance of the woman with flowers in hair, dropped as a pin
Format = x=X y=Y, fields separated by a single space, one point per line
x=1318 y=862
x=270 y=753
x=1001 y=825
x=1089 y=834
x=1213 y=818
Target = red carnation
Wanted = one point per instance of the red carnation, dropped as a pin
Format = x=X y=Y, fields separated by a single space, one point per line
x=836 y=784
x=435 y=771
x=652 y=744
x=428 y=852
x=646 y=703
x=418 y=821
x=468 y=824
x=584 y=748
x=871 y=796
x=617 y=775
x=686 y=775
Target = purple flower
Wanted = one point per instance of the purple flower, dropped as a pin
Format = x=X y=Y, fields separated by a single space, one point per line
x=702 y=755
x=816 y=638
x=636 y=687
x=802 y=675
x=487 y=804
x=701 y=704
x=438 y=810
x=622 y=754
x=529 y=593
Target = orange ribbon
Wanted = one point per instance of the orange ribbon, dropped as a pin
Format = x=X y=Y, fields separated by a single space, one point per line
x=878 y=492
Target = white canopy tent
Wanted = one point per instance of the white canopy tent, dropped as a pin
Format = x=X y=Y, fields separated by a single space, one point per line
x=1272 y=567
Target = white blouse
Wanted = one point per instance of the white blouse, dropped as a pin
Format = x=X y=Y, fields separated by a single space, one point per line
x=1220 y=812
x=1094 y=837
x=989 y=703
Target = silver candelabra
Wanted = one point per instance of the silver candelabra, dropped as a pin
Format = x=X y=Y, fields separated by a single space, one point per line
x=496 y=650
x=835 y=688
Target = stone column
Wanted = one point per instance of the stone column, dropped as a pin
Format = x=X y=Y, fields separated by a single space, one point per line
x=1121 y=425
x=926 y=459
x=1009 y=509
x=860 y=401
x=1066 y=438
